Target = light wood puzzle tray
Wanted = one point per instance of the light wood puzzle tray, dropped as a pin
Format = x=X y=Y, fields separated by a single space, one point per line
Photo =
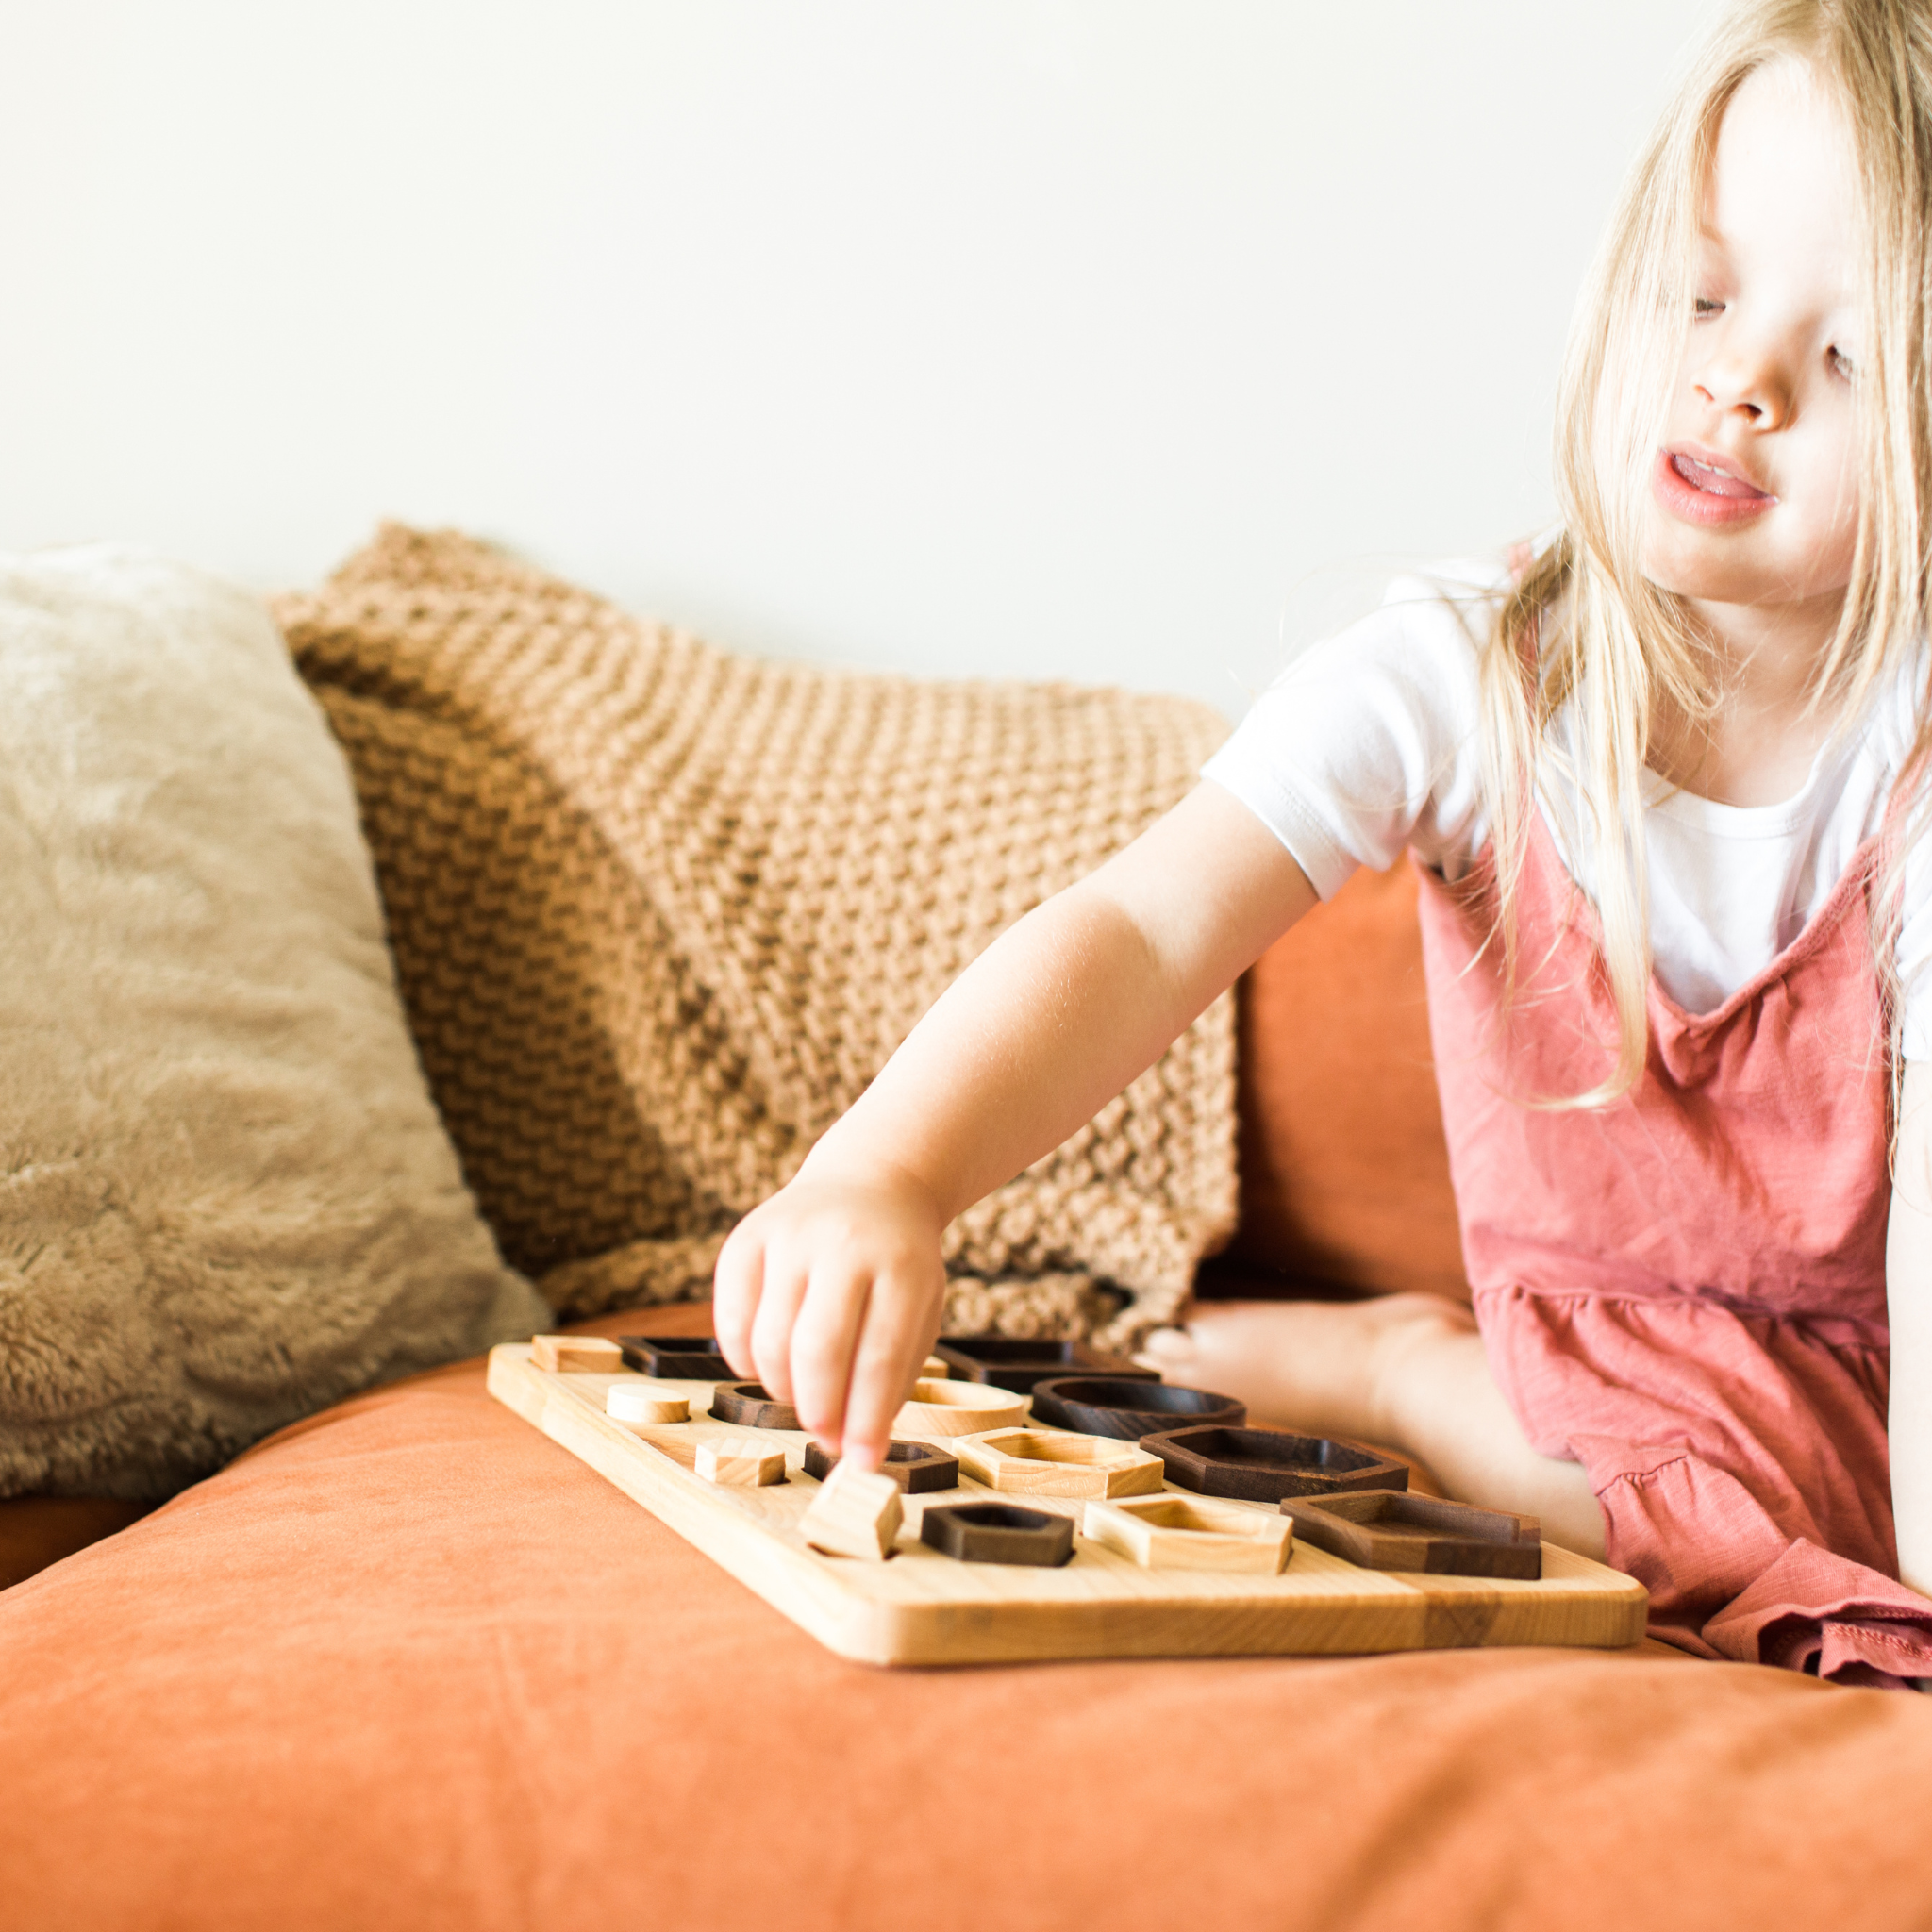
x=922 y=1607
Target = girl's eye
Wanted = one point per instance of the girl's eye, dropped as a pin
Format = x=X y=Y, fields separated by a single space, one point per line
x=1706 y=307
x=1841 y=364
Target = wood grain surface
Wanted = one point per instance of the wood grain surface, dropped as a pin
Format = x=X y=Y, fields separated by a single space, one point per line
x=856 y=1512
x=921 y=1607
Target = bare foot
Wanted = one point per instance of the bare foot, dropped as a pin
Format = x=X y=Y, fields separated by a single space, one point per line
x=1324 y=1367
x=1406 y=1372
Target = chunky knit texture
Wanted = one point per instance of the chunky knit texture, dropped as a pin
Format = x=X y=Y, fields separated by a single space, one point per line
x=660 y=913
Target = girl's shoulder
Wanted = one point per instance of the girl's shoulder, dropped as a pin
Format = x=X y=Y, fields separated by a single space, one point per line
x=1366 y=745
x=1423 y=637
x=1471 y=590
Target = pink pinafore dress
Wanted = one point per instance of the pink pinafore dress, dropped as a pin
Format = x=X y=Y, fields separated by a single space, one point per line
x=1685 y=1292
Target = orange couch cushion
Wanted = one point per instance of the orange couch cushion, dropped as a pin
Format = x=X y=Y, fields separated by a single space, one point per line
x=1344 y=1171
x=409 y=1663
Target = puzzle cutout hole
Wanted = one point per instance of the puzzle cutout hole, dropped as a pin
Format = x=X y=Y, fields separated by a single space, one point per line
x=1112 y=1405
x=1272 y=1449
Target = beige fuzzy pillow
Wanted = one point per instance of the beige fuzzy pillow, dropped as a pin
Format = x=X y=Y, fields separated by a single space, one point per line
x=226 y=1198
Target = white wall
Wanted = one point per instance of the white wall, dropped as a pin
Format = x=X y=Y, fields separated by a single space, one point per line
x=1096 y=339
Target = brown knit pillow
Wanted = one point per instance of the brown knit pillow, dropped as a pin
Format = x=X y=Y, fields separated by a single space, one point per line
x=660 y=913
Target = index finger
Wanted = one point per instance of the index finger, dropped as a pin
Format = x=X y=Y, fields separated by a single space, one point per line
x=736 y=1283
x=892 y=1342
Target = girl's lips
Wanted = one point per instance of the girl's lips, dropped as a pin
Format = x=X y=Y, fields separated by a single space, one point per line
x=1700 y=492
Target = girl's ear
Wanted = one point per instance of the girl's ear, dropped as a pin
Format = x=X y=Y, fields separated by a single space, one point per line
x=1521 y=558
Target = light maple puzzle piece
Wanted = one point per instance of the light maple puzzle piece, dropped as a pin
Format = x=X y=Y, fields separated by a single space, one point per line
x=633 y=1404
x=576 y=1354
x=1174 y=1532
x=856 y=1512
x=744 y=1465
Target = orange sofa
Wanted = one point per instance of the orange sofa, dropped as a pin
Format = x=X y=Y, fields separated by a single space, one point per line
x=409 y=1664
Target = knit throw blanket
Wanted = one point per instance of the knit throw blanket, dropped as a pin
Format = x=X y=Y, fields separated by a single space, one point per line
x=659 y=913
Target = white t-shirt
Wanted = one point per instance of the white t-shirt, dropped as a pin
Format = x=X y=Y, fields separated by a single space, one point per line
x=1366 y=746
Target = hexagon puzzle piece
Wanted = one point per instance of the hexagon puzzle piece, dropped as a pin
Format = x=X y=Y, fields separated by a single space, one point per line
x=1190 y=1533
x=998 y=1533
x=1049 y=1462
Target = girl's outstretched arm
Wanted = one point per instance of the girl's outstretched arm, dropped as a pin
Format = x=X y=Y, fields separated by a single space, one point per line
x=830 y=1291
x=1909 y=1292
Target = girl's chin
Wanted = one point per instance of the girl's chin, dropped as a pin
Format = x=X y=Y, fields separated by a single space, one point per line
x=1689 y=569
x=1707 y=568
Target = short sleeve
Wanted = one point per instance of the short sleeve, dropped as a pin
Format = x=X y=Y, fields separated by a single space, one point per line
x=1366 y=745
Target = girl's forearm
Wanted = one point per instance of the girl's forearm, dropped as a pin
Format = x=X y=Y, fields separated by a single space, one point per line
x=1040 y=1032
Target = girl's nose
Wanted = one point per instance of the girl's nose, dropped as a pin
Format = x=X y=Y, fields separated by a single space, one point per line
x=1739 y=379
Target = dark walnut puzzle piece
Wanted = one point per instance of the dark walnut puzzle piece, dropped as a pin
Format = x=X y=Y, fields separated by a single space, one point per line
x=749 y=1406
x=1005 y=1363
x=675 y=1358
x=914 y=1466
x=998 y=1533
x=1386 y=1529
x=1115 y=1406
x=1265 y=1465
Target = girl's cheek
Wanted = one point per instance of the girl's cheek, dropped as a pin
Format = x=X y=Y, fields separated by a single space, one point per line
x=1841 y=541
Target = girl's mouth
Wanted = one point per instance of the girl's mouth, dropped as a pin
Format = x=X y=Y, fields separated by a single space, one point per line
x=1696 y=491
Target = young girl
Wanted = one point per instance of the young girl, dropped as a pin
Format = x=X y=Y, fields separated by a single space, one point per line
x=1665 y=783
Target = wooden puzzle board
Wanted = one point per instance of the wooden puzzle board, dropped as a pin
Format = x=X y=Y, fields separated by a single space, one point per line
x=922 y=1608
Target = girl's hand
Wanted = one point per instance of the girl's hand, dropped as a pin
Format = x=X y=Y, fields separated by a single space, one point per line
x=830 y=1294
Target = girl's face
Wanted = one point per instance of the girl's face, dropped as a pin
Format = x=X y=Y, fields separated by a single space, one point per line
x=1754 y=495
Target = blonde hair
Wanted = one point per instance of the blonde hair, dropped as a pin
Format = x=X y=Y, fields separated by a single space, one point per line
x=1583 y=624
